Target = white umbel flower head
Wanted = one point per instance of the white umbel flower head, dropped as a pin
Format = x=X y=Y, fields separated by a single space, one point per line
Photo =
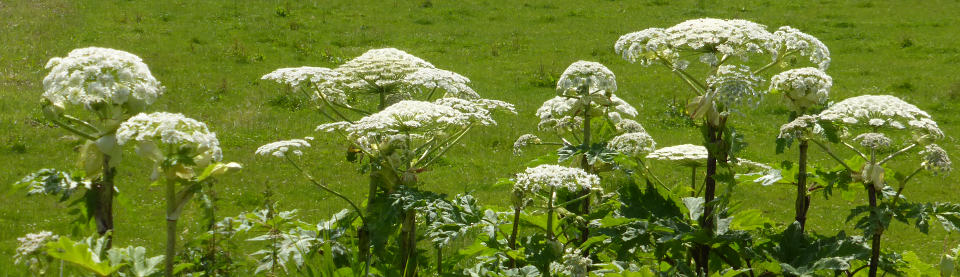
x=296 y=76
x=538 y=178
x=315 y=79
x=802 y=127
x=96 y=76
x=574 y=264
x=636 y=145
x=684 y=154
x=802 y=87
x=378 y=69
x=523 y=141
x=735 y=85
x=629 y=126
x=449 y=83
x=882 y=111
x=159 y=132
x=564 y=114
x=32 y=244
x=793 y=40
x=874 y=141
x=592 y=76
x=280 y=149
x=935 y=159
x=733 y=37
x=645 y=46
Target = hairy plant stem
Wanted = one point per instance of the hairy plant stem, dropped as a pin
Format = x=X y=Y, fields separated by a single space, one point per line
x=103 y=212
x=693 y=181
x=513 y=233
x=171 y=226
x=875 y=245
x=408 y=244
x=715 y=138
x=802 y=201
x=585 y=163
x=550 y=208
x=439 y=260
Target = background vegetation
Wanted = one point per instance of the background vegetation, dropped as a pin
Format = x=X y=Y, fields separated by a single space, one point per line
x=211 y=54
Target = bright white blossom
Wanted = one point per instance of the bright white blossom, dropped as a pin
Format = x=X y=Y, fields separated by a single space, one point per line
x=876 y=111
x=295 y=76
x=281 y=148
x=313 y=79
x=416 y=120
x=32 y=244
x=157 y=132
x=875 y=141
x=733 y=37
x=535 y=179
x=629 y=126
x=449 y=83
x=566 y=113
x=801 y=128
x=574 y=264
x=735 y=85
x=593 y=76
x=636 y=145
x=793 y=40
x=523 y=141
x=378 y=69
x=802 y=87
x=94 y=76
x=684 y=154
x=935 y=159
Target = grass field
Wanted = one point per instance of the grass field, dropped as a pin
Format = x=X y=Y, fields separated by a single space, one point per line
x=210 y=56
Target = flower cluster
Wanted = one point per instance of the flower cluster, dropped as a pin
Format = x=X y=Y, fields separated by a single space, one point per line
x=534 y=179
x=574 y=264
x=314 y=79
x=800 y=128
x=735 y=85
x=32 y=244
x=874 y=141
x=378 y=69
x=416 y=120
x=706 y=35
x=96 y=76
x=157 y=132
x=280 y=149
x=592 y=76
x=684 y=154
x=565 y=113
x=935 y=159
x=635 y=145
x=629 y=126
x=451 y=83
x=802 y=87
x=878 y=111
x=523 y=141
x=793 y=40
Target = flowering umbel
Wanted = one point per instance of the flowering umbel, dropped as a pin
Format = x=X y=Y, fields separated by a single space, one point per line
x=160 y=135
x=802 y=88
x=95 y=78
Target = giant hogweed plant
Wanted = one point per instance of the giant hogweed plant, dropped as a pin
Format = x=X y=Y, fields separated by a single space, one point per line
x=434 y=109
x=89 y=93
x=881 y=130
x=186 y=157
x=589 y=125
x=728 y=80
x=803 y=91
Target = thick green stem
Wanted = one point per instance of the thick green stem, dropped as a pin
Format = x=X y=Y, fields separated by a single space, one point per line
x=408 y=244
x=585 y=163
x=439 y=260
x=715 y=138
x=513 y=233
x=693 y=181
x=550 y=208
x=802 y=201
x=103 y=212
x=875 y=245
x=171 y=227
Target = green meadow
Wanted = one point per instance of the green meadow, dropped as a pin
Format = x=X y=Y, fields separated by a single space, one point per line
x=211 y=54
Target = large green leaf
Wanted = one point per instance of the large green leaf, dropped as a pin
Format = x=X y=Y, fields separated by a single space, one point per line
x=79 y=254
